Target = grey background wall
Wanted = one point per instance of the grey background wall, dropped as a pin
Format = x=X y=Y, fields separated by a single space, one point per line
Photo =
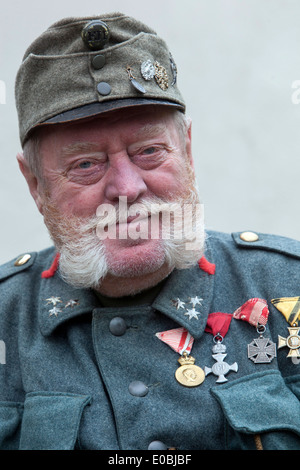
x=239 y=71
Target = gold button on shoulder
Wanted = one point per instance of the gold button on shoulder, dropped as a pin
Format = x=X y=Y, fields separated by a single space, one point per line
x=249 y=236
x=23 y=259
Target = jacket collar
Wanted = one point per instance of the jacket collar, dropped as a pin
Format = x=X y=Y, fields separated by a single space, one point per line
x=59 y=302
x=186 y=285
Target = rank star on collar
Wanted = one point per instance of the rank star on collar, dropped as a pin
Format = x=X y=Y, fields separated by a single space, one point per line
x=196 y=301
x=178 y=303
x=54 y=311
x=53 y=300
x=191 y=313
x=71 y=303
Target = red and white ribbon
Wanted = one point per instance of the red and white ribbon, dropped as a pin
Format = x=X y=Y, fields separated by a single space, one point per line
x=254 y=311
x=179 y=339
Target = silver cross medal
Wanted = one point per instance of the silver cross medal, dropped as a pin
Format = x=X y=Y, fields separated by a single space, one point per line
x=220 y=368
x=261 y=350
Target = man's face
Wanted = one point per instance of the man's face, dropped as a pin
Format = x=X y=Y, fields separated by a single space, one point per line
x=137 y=155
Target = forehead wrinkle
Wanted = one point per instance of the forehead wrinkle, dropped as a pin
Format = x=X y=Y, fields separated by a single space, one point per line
x=150 y=130
x=76 y=147
x=146 y=131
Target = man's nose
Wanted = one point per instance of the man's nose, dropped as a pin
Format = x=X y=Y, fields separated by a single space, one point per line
x=124 y=179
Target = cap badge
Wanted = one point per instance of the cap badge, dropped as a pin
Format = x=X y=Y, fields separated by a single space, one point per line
x=134 y=82
x=147 y=70
x=174 y=69
x=95 y=35
x=157 y=71
x=161 y=76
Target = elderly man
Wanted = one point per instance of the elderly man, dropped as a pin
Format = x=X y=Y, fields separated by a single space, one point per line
x=137 y=330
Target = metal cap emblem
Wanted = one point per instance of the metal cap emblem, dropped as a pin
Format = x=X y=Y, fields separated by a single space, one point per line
x=95 y=35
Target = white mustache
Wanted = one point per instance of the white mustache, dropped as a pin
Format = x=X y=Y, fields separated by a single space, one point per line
x=175 y=218
x=108 y=214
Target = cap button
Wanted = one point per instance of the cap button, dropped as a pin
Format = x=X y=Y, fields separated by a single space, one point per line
x=95 y=34
x=104 y=88
x=98 y=61
x=249 y=237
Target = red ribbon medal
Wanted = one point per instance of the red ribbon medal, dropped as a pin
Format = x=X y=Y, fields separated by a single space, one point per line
x=181 y=341
x=218 y=325
x=255 y=311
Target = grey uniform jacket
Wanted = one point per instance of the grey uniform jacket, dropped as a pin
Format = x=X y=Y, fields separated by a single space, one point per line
x=77 y=375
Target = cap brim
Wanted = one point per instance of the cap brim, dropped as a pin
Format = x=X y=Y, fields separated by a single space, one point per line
x=94 y=109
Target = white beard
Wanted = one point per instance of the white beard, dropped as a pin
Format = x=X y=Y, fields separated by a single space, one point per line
x=83 y=258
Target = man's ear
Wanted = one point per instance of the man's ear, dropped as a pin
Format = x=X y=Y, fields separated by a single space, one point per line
x=33 y=182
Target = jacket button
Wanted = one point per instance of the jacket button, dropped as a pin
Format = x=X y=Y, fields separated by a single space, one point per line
x=249 y=237
x=22 y=260
x=157 y=445
x=117 y=326
x=138 y=389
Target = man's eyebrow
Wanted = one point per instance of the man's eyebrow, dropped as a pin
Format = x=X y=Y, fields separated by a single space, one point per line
x=146 y=131
x=77 y=147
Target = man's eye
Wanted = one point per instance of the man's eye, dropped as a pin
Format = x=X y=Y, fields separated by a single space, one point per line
x=85 y=165
x=149 y=150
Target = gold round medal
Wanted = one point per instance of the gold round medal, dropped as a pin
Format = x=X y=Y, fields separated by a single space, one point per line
x=188 y=374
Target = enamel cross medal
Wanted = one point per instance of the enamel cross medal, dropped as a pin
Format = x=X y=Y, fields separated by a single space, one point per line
x=180 y=340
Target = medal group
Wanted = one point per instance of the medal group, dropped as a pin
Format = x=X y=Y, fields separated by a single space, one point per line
x=260 y=351
x=150 y=70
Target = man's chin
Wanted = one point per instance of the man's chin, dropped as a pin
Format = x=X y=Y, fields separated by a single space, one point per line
x=135 y=258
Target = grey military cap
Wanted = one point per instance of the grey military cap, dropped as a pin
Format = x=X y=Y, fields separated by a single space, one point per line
x=82 y=67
